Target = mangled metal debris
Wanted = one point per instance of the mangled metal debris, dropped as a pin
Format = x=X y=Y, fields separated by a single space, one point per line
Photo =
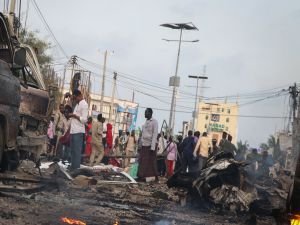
x=225 y=183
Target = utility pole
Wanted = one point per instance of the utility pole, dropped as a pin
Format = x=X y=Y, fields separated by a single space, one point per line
x=195 y=113
x=294 y=93
x=73 y=63
x=132 y=100
x=294 y=200
x=113 y=97
x=103 y=82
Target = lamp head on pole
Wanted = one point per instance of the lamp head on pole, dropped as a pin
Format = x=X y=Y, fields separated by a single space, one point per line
x=178 y=26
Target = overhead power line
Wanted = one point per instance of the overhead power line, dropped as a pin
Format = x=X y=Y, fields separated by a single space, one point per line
x=166 y=89
x=243 y=116
x=48 y=28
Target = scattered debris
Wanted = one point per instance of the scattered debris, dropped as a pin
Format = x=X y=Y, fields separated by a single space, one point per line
x=225 y=183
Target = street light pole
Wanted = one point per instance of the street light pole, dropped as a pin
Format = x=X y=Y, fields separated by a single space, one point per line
x=195 y=113
x=174 y=81
x=172 y=110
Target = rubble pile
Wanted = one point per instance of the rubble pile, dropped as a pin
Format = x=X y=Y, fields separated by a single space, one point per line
x=227 y=184
x=232 y=198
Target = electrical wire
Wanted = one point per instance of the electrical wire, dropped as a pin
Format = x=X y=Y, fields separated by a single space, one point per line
x=246 y=95
x=48 y=28
x=229 y=115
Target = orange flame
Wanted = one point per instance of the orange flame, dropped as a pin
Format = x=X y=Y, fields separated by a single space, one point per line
x=72 y=221
x=117 y=222
x=295 y=220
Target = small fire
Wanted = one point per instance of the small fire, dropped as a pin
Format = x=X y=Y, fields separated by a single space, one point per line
x=295 y=220
x=72 y=221
x=117 y=222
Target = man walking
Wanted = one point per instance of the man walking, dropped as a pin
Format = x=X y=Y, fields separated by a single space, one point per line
x=78 y=119
x=147 y=159
x=97 y=144
x=188 y=145
x=201 y=150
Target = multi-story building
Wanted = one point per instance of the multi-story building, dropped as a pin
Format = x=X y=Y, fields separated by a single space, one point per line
x=215 y=118
x=124 y=113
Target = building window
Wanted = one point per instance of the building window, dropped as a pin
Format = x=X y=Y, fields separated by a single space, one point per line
x=228 y=111
x=226 y=128
x=227 y=120
x=222 y=109
x=206 y=117
x=205 y=126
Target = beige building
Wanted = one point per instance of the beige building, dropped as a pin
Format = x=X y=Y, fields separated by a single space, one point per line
x=215 y=118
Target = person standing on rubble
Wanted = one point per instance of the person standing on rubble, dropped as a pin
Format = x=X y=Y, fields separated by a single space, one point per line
x=147 y=157
x=223 y=141
x=231 y=146
x=214 y=149
x=201 y=150
x=77 y=131
x=196 y=136
x=65 y=138
x=59 y=129
x=171 y=157
x=188 y=146
x=130 y=147
x=226 y=145
x=179 y=153
x=97 y=145
x=161 y=164
x=88 y=139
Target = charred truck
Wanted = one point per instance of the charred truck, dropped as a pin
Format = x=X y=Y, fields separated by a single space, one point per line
x=25 y=105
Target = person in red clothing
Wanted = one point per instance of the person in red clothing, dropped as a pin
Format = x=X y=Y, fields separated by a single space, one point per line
x=88 y=138
x=109 y=136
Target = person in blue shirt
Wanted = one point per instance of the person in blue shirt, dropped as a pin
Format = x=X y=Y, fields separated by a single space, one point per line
x=188 y=145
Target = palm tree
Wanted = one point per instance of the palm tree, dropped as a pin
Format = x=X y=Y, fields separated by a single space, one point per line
x=272 y=141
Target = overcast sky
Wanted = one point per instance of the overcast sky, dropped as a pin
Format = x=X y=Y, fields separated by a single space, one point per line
x=247 y=46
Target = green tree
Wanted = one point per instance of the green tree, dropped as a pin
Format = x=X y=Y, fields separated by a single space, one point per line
x=272 y=141
x=243 y=147
x=41 y=48
x=264 y=146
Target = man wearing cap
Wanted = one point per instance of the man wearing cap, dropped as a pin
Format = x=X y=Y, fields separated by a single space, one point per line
x=77 y=131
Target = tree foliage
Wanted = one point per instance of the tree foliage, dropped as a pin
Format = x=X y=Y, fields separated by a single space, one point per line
x=273 y=143
x=41 y=48
x=242 y=146
x=264 y=146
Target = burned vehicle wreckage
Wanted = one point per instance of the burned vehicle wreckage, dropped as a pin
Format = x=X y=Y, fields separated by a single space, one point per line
x=228 y=185
x=25 y=105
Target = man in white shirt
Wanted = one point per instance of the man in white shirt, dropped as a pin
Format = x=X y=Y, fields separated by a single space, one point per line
x=77 y=131
x=147 y=159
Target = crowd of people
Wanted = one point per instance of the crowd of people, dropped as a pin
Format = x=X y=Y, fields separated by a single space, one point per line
x=161 y=155
x=78 y=139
